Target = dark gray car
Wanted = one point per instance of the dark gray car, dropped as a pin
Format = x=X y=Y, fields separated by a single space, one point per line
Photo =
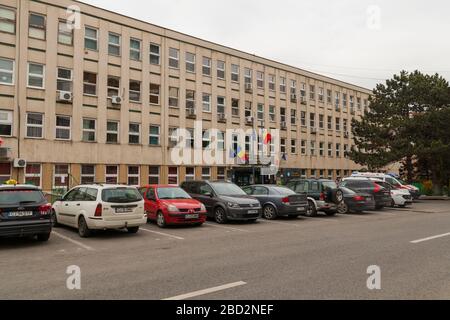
x=224 y=200
x=278 y=201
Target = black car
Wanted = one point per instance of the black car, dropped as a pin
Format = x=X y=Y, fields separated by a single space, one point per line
x=224 y=200
x=24 y=211
x=355 y=201
x=323 y=195
x=278 y=201
x=382 y=195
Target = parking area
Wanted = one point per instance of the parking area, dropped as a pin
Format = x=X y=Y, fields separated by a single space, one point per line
x=288 y=258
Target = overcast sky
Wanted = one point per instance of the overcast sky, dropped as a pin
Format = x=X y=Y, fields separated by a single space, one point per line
x=358 y=41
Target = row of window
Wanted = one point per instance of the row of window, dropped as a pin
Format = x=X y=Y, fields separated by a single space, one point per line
x=315 y=148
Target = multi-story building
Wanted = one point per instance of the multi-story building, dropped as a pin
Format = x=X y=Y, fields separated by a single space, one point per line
x=94 y=96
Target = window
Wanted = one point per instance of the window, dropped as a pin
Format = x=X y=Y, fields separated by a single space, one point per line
x=87 y=174
x=293 y=87
x=321 y=174
x=314 y=185
x=321 y=148
x=345 y=125
x=248 y=75
x=330 y=123
x=36 y=75
x=133 y=175
x=312 y=92
x=135 y=91
x=338 y=150
x=329 y=93
x=358 y=103
x=345 y=150
x=190 y=174
x=206 y=139
x=220 y=173
x=90 y=83
x=221 y=105
x=113 y=86
x=90 y=38
x=173 y=175
x=321 y=121
x=234 y=73
x=89 y=130
x=135 y=49
x=206 y=173
x=303 y=90
x=312 y=120
x=248 y=109
x=235 y=107
x=155 y=92
x=174 y=57
x=260 y=79
x=60 y=176
x=283 y=145
x=282 y=114
x=220 y=138
x=338 y=124
x=63 y=128
x=155 y=54
x=321 y=95
x=112 y=174
x=33 y=172
x=330 y=149
x=206 y=66
x=6 y=71
x=352 y=103
x=190 y=62
x=293 y=146
x=35 y=125
x=7 y=20
x=65 y=32
x=64 y=80
x=337 y=99
x=206 y=98
x=303 y=147
x=153 y=175
x=6 y=120
x=344 y=100
x=271 y=82
x=272 y=115
x=190 y=99
x=173 y=137
x=303 y=118
x=112 y=132
x=293 y=117
x=134 y=133
x=338 y=173
x=154 y=135
x=113 y=44
x=5 y=169
x=312 y=148
x=36 y=26
x=173 y=97
x=260 y=112
x=330 y=174
x=220 y=69
x=283 y=84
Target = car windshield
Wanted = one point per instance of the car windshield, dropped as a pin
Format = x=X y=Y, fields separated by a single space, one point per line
x=227 y=189
x=121 y=195
x=283 y=190
x=172 y=193
x=329 y=185
x=21 y=196
x=347 y=190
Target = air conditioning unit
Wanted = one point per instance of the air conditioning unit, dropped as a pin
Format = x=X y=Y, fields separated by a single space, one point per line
x=116 y=100
x=293 y=97
x=249 y=119
x=249 y=87
x=303 y=100
x=261 y=123
x=283 y=124
x=65 y=96
x=313 y=130
x=4 y=153
x=222 y=117
x=19 y=163
x=190 y=112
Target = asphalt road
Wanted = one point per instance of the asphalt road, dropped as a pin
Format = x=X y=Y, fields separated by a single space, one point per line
x=304 y=258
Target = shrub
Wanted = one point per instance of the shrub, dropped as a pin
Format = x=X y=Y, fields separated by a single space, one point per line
x=428 y=187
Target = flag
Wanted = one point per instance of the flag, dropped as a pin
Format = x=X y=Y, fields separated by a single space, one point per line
x=267 y=137
x=241 y=153
x=232 y=154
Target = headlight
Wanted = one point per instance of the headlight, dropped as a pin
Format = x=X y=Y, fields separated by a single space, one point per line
x=202 y=207
x=233 y=205
x=172 y=208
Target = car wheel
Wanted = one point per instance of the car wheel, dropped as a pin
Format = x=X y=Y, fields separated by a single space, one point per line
x=42 y=237
x=269 y=212
x=83 y=229
x=311 y=210
x=54 y=219
x=220 y=216
x=160 y=220
x=342 y=208
x=133 y=229
x=338 y=196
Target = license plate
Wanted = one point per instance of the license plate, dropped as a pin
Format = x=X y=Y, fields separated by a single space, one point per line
x=252 y=211
x=301 y=209
x=123 y=210
x=20 y=214
x=192 y=216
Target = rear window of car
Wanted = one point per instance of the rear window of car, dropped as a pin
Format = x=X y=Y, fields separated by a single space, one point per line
x=282 y=190
x=329 y=184
x=21 y=196
x=121 y=195
x=359 y=184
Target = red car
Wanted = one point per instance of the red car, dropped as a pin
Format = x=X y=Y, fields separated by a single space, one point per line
x=170 y=205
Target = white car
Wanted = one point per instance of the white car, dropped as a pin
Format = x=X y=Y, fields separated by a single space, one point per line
x=400 y=197
x=100 y=207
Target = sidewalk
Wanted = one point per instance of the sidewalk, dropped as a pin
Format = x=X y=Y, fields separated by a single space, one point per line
x=434 y=198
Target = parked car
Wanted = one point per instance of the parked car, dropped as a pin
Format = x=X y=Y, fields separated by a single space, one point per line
x=355 y=201
x=323 y=195
x=382 y=196
x=224 y=200
x=24 y=212
x=400 y=197
x=171 y=205
x=100 y=207
x=278 y=201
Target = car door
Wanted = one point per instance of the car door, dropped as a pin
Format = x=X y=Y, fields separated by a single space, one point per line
x=151 y=204
x=205 y=194
x=75 y=206
x=63 y=210
x=314 y=189
x=261 y=193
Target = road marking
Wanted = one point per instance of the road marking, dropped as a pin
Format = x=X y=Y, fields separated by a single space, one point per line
x=73 y=241
x=207 y=291
x=228 y=228
x=280 y=222
x=162 y=234
x=431 y=238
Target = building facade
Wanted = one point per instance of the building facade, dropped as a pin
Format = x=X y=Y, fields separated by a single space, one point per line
x=94 y=96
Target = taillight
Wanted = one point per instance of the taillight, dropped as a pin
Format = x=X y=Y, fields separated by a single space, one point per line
x=377 y=188
x=322 y=196
x=358 y=198
x=285 y=200
x=45 y=209
x=98 y=210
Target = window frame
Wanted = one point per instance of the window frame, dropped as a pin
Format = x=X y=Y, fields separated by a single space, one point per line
x=154 y=135
x=113 y=132
x=9 y=122
x=134 y=133
x=88 y=38
x=154 y=54
x=12 y=72
x=173 y=58
x=137 y=51
x=41 y=76
x=118 y=46
x=84 y=130
x=41 y=126
x=36 y=27
x=9 y=21
x=63 y=127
